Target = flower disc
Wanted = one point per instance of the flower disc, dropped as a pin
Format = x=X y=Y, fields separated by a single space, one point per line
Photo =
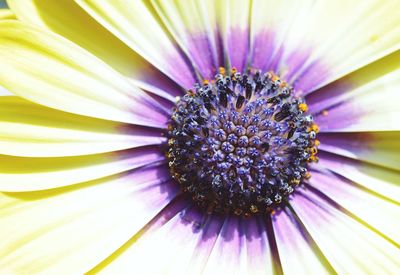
x=241 y=143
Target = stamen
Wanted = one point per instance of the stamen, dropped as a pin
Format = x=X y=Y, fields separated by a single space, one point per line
x=241 y=143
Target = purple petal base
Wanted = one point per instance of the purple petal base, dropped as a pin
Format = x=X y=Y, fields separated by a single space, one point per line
x=204 y=54
x=237 y=47
x=263 y=51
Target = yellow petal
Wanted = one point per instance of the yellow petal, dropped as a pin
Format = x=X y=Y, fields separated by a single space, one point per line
x=339 y=37
x=345 y=88
x=153 y=244
x=31 y=130
x=269 y=22
x=378 y=179
x=298 y=252
x=196 y=238
x=52 y=71
x=233 y=22
x=371 y=106
x=68 y=19
x=4 y=91
x=25 y=174
x=228 y=257
x=349 y=245
x=379 y=212
x=194 y=26
x=313 y=43
x=380 y=148
x=6 y=14
x=134 y=23
x=70 y=230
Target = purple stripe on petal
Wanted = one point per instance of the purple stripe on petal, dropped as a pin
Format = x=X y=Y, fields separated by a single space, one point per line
x=140 y=157
x=294 y=242
x=203 y=54
x=338 y=117
x=141 y=136
x=158 y=83
x=344 y=88
x=259 y=255
x=304 y=77
x=156 y=182
x=346 y=144
x=206 y=243
x=374 y=147
x=274 y=64
x=356 y=201
x=375 y=178
x=315 y=73
x=229 y=253
x=346 y=241
x=294 y=63
x=269 y=54
x=180 y=69
x=162 y=104
x=328 y=96
x=148 y=111
x=238 y=47
x=263 y=50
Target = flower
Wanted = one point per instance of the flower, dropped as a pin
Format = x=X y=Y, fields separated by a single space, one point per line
x=106 y=97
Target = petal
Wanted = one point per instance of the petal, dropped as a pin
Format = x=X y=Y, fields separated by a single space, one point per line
x=194 y=236
x=135 y=24
x=346 y=87
x=338 y=48
x=260 y=256
x=369 y=107
x=229 y=254
x=378 y=212
x=381 y=148
x=4 y=91
x=193 y=25
x=153 y=244
x=233 y=21
x=349 y=246
x=67 y=18
x=51 y=232
x=244 y=246
x=297 y=250
x=32 y=130
x=6 y=14
x=18 y=174
x=268 y=27
x=377 y=179
x=50 y=70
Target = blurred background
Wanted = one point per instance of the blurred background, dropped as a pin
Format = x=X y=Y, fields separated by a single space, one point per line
x=3 y=4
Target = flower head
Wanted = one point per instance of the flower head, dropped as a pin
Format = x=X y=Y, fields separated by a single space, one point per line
x=188 y=137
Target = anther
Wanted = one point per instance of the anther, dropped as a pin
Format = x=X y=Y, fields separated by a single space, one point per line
x=239 y=102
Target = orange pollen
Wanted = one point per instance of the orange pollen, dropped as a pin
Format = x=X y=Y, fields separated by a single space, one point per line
x=315 y=127
x=275 y=77
x=303 y=107
x=283 y=84
x=221 y=70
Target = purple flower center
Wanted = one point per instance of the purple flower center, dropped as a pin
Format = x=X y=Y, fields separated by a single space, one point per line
x=241 y=143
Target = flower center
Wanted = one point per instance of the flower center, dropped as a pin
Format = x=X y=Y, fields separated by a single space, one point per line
x=241 y=143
